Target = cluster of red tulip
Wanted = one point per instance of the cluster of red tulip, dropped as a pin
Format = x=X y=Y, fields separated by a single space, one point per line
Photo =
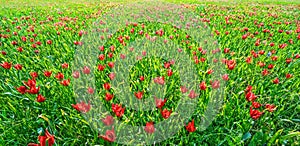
x=46 y=140
x=251 y=97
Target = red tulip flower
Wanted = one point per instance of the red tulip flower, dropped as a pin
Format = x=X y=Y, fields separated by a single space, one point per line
x=231 y=64
x=167 y=65
x=108 y=120
x=22 y=89
x=288 y=60
x=257 y=43
x=210 y=71
x=261 y=52
x=217 y=32
x=144 y=53
x=159 y=80
x=33 y=90
x=108 y=96
x=166 y=113
x=49 y=42
x=44 y=139
x=76 y=74
x=109 y=136
x=215 y=84
x=65 y=82
x=224 y=61
x=288 y=76
x=142 y=78
x=18 y=67
x=86 y=70
x=90 y=90
x=149 y=128
x=276 y=81
x=101 y=48
x=118 y=109
x=34 y=75
x=106 y=86
x=47 y=73
x=261 y=64
x=225 y=77
x=270 y=107
x=190 y=127
x=183 y=89
x=244 y=36
x=14 y=43
x=226 y=50
x=40 y=98
x=250 y=96
x=169 y=72
x=270 y=66
x=110 y=55
x=132 y=30
x=249 y=88
x=282 y=46
x=20 y=49
x=202 y=85
x=274 y=58
x=122 y=56
x=139 y=95
x=111 y=64
x=80 y=33
x=101 y=57
x=179 y=50
x=39 y=43
x=33 y=45
x=160 y=102
x=101 y=67
x=111 y=75
x=256 y=104
x=76 y=43
x=23 y=38
x=255 y=55
x=265 y=72
x=65 y=65
x=30 y=83
x=255 y=114
x=3 y=53
x=6 y=65
x=196 y=60
x=60 y=76
x=193 y=94
x=82 y=106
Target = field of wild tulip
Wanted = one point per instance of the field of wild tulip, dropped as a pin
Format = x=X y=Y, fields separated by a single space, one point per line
x=49 y=97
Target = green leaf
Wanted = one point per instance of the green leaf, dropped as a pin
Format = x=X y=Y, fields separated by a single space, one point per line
x=292 y=134
x=246 y=136
x=272 y=140
x=40 y=130
x=257 y=138
x=296 y=120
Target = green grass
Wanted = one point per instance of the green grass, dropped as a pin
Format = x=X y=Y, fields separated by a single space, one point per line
x=242 y=2
x=21 y=117
x=13 y=3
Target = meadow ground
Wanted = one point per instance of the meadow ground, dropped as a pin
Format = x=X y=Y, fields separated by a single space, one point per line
x=258 y=46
